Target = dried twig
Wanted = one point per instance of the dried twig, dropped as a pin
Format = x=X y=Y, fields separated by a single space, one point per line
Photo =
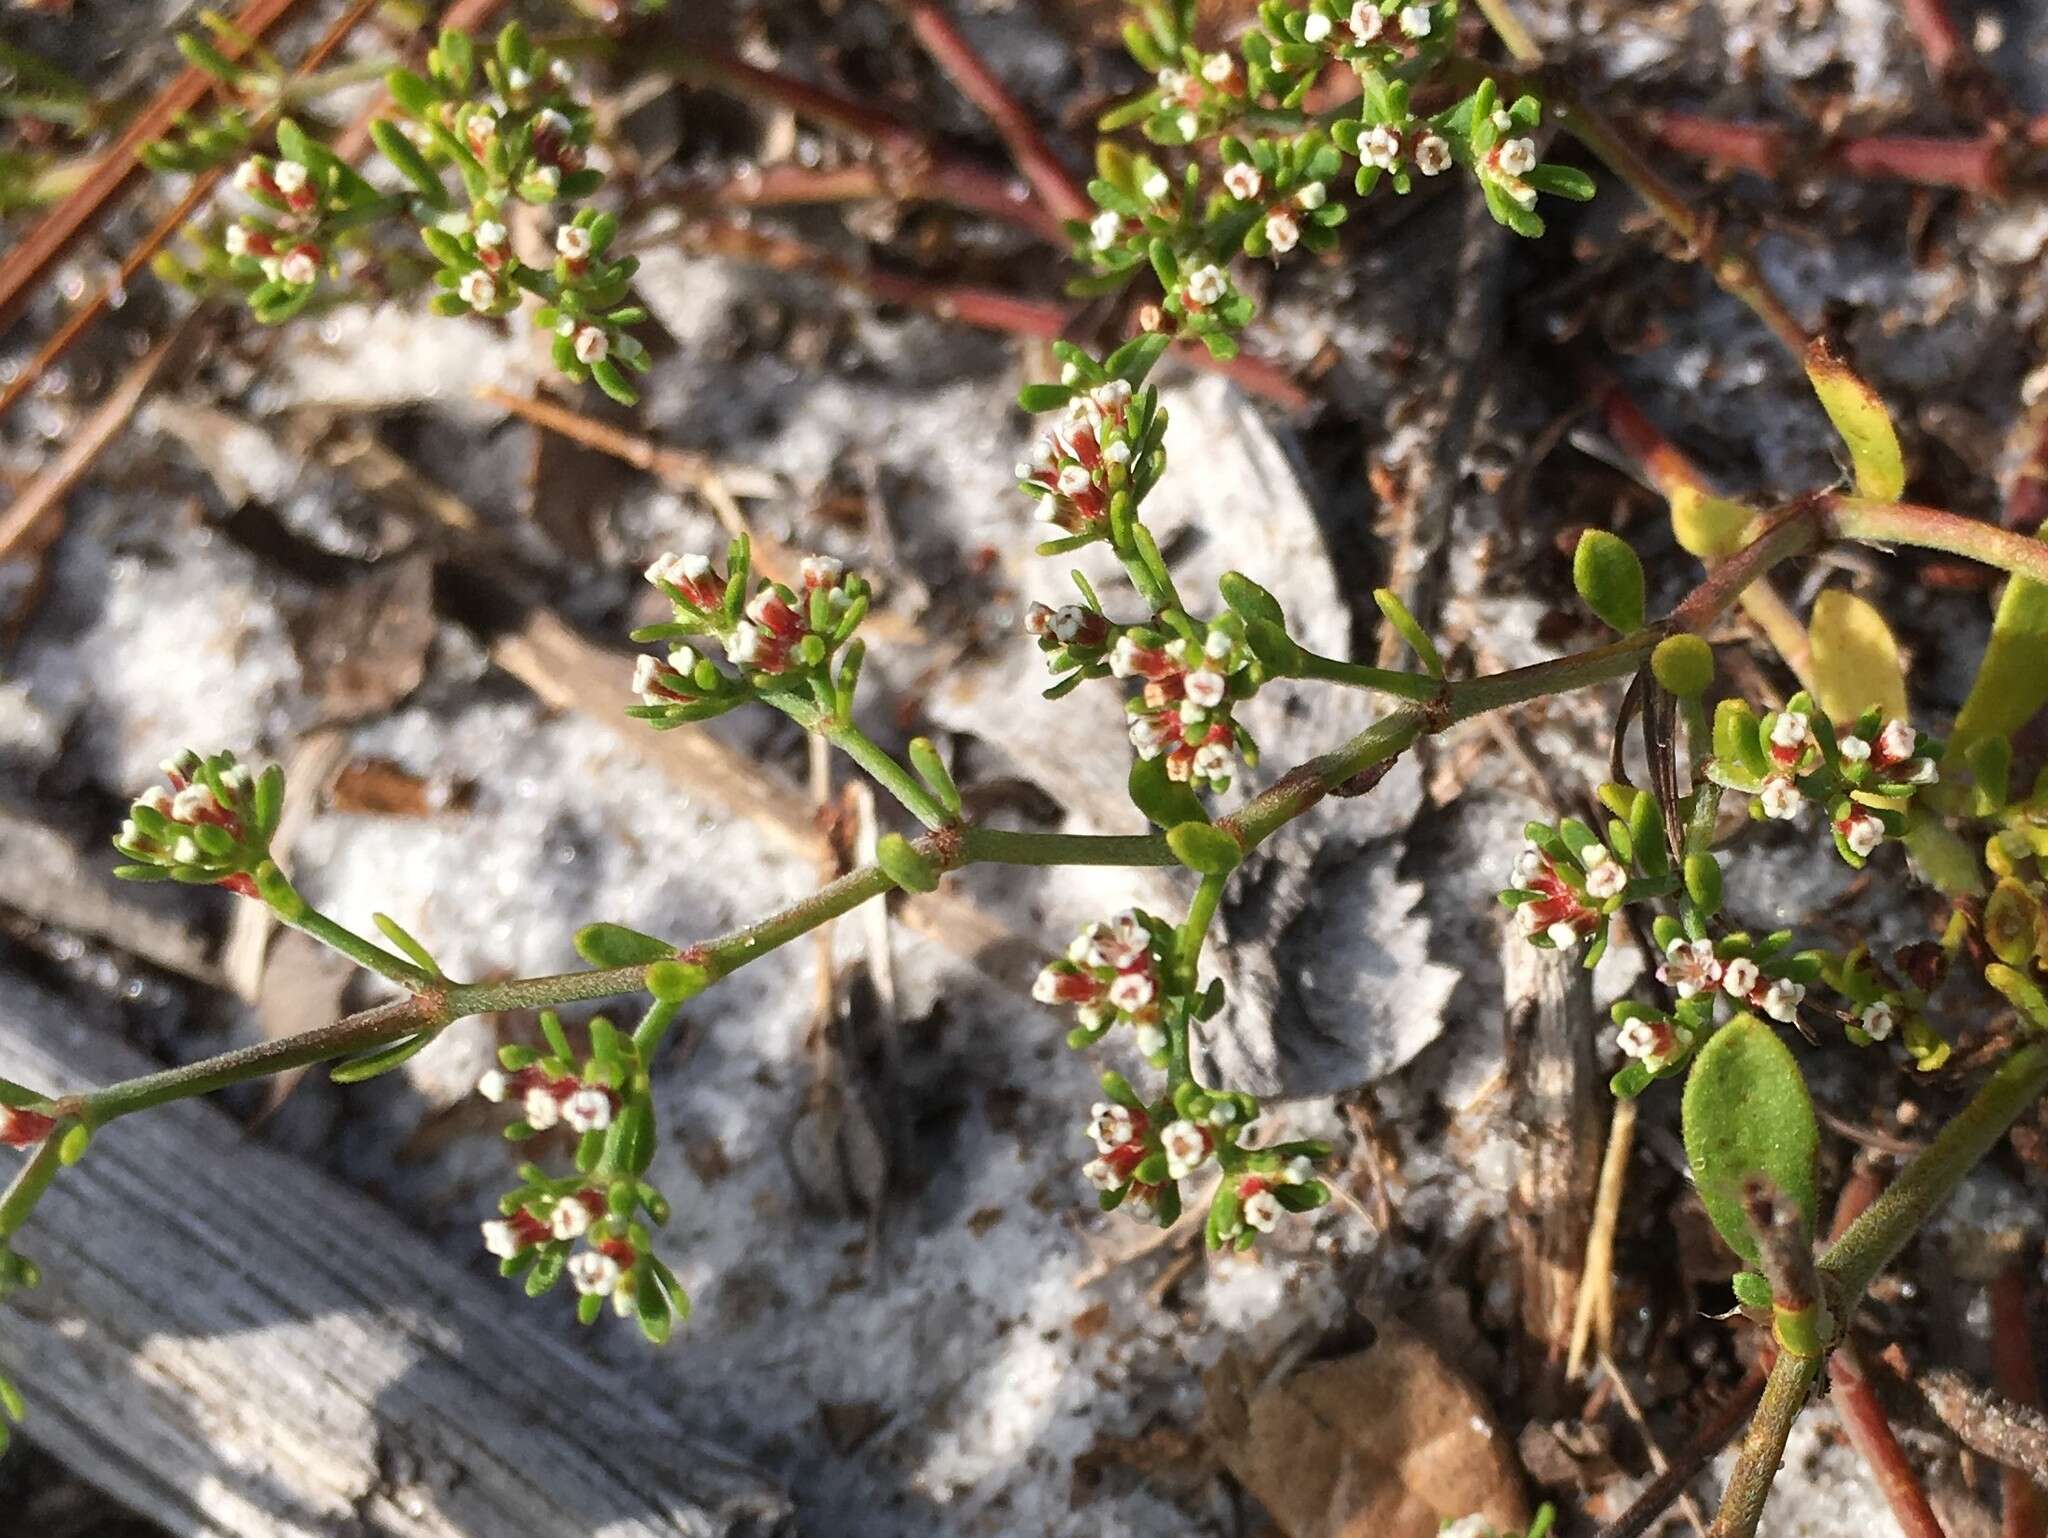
x=1979 y=164
x=1057 y=187
x=1634 y=1412
x=1706 y=1444
x=2012 y=1366
x=2014 y=1436
x=1593 y=1313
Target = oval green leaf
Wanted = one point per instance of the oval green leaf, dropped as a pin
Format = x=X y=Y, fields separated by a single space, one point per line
x=1747 y=1113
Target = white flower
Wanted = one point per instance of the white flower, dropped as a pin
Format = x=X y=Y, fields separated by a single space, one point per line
x=676 y=570
x=1311 y=196
x=1563 y=935
x=1862 y=833
x=500 y=1239
x=195 y=800
x=1301 y=1169
x=1781 y=999
x=547 y=180
x=1262 y=1211
x=1188 y=124
x=517 y=79
x=248 y=176
x=479 y=290
x=186 y=851
x=1854 y=749
x=1639 y=1039
x=540 y=1109
x=1897 y=741
x=1217 y=68
x=1110 y=1125
x=1206 y=285
x=1242 y=180
x=1073 y=480
x=571 y=1219
x=290 y=177
x=1132 y=991
x=1101 y=1174
x=1046 y=986
x=1415 y=20
x=1530 y=864
x=235 y=240
x=573 y=242
x=1381 y=147
x=1150 y=1040
x=1780 y=797
x=1186 y=1145
x=1517 y=157
x=1283 y=231
x=1432 y=155
x=1691 y=966
x=1172 y=81
x=157 y=799
x=1217 y=646
x=1740 y=977
x=1604 y=876
x=1222 y=1113
x=588 y=1110
x=560 y=71
x=494 y=1086
x=1212 y=761
x=646 y=673
x=1155 y=187
x=1205 y=687
x=592 y=345
x=1105 y=227
x=594 y=1273
x=1316 y=28
x=1925 y=772
x=1366 y=21
x=299 y=267
x=1877 y=1020
x=490 y=234
x=1790 y=731
x=1068 y=621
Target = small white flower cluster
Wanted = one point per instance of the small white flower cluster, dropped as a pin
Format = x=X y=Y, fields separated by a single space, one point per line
x=1069 y=470
x=773 y=627
x=1111 y=975
x=1691 y=968
x=1507 y=163
x=546 y=1101
x=1878 y=1020
x=1557 y=911
x=285 y=251
x=1183 y=712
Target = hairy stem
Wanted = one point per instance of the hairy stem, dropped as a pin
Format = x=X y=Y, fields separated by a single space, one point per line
x=1358 y=675
x=1763 y=1445
x=890 y=775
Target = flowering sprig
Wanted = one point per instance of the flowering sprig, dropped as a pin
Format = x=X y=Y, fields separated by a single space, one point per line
x=1790 y=757
x=1107 y=451
x=591 y=1225
x=302 y=204
x=1272 y=191
x=1568 y=884
x=211 y=826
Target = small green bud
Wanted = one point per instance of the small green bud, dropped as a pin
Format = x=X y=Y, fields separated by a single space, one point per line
x=905 y=864
x=677 y=982
x=1684 y=665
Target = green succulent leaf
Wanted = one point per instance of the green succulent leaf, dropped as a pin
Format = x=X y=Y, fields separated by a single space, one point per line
x=1747 y=1112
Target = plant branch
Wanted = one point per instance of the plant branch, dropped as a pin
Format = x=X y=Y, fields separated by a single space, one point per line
x=1871 y=1432
x=1707 y=1442
x=1763 y=1446
x=1359 y=675
x=30 y=1182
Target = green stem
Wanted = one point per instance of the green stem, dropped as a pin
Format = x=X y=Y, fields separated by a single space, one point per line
x=1903 y=523
x=654 y=1027
x=889 y=774
x=1874 y=1239
x=1763 y=1445
x=29 y=1183
x=1515 y=37
x=362 y=952
x=1357 y=675
x=1000 y=846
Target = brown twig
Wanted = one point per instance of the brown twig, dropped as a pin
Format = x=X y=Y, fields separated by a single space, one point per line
x=2011 y=1435
x=1634 y=1411
x=1057 y=187
x=82 y=319
x=1977 y=164
x=984 y=308
x=23 y=527
x=910 y=163
x=1784 y=1246
x=1685 y=1466
x=1870 y=1430
x=2014 y=1370
x=24 y=267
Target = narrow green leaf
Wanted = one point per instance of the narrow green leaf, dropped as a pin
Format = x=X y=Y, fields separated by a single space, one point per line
x=614 y=945
x=1860 y=417
x=1405 y=625
x=356 y=1069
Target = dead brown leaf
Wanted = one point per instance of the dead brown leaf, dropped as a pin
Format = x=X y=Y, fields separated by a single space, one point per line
x=1388 y=1442
x=365 y=648
x=382 y=788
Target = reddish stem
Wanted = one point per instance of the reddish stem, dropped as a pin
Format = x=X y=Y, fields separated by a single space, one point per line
x=987 y=309
x=1057 y=187
x=2014 y=1370
x=1871 y=1433
x=23 y=267
x=1937 y=33
x=2026 y=498
x=1974 y=165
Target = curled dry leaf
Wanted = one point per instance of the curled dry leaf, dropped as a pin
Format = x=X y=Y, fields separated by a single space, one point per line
x=1389 y=1442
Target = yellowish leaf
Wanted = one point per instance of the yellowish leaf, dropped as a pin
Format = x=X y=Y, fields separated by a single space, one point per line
x=1707 y=526
x=1860 y=417
x=1855 y=660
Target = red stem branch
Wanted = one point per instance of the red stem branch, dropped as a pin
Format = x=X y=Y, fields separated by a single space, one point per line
x=1871 y=1433
x=2013 y=1369
x=1057 y=187
x=1975 y=165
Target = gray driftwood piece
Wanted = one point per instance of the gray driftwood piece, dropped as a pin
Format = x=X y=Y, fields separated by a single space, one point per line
x=239 y=1347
